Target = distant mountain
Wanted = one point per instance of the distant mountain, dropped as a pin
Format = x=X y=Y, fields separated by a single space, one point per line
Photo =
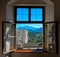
x=30 y=29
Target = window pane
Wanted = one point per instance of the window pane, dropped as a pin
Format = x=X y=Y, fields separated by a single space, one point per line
x=22 y=18
x=19 y=17
x=33 y=11
x=50 y=37
x=19 y=11
x=39 y=18
x=39 y=11
x=25 y=17
x=29 y=36
x=36 y=14
x=22 y=14
x=33 y=17
x=25 y=10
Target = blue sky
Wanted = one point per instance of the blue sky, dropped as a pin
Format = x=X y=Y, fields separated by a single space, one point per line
x=36 y=14
x=32 y=25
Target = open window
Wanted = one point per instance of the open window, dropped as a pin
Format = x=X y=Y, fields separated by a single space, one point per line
x=29 y=28
x=7 y=37
x=29 y=32
x=51 y=37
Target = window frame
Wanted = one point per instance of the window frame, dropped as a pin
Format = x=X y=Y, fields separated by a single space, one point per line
x=29 y=20
x=29 y=14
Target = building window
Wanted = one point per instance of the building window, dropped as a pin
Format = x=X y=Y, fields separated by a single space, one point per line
x=29 y=14
x=36 y=14
x=29 y=27
x=22 y=14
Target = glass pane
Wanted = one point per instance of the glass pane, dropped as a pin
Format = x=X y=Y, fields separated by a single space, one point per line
x=22 y=17
x=19 y=18
x=50 y=37
x=25 y=17
x=36 y=14
x=29 y=36
x=25 y=11
x=22 y=14
x=33 y=17
x=39 y=11
x=39 y=17
x=8 y=37
x=33 y=11
x=19 y=11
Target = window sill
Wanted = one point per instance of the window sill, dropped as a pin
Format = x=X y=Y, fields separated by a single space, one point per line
x=7 y=52
x=28 y=51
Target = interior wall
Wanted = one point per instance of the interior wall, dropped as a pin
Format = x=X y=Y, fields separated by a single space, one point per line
x=9 y=13
x=34 y=55
x=2 y=18
x=57 y=18
x=49 y=13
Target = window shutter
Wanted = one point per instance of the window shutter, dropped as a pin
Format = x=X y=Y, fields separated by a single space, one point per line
x=7 y=37
x=51 y=37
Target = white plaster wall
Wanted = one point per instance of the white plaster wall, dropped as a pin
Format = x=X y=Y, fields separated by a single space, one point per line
x=49 y=13
x=9 y=13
